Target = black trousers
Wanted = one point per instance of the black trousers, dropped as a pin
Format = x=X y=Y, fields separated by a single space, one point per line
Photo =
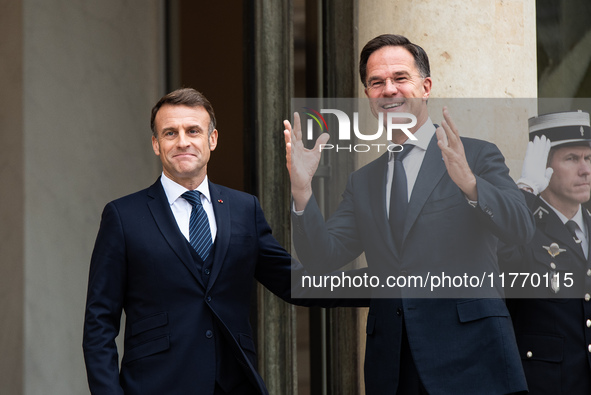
x=245 y=388
x=409 y=382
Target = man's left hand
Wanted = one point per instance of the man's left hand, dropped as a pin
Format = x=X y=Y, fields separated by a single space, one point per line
x=454 y=157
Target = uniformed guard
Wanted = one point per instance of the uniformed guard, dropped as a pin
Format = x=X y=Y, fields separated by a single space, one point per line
x=552 y=316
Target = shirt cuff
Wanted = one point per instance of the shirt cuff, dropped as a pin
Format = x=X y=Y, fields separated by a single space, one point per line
x=298 y=213
x=472 y=203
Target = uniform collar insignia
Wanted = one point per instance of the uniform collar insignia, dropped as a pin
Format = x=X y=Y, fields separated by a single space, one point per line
x=540 y=211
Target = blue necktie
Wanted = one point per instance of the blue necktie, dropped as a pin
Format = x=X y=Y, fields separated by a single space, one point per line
x=199 y=231
x=399 y=195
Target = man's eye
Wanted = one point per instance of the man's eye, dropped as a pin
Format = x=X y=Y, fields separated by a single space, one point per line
x=376 y=83
x=401 y=79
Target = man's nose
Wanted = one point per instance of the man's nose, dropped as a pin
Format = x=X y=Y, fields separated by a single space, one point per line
x=585 y=168
x=390 y=87
x=182 y=140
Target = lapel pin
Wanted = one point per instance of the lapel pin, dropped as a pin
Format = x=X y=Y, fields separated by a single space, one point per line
x=220 y=201
x=554 y=249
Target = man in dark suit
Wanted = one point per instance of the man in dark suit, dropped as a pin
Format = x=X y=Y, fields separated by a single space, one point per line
x=456 y=210
x=553 y=322
x=180 y=264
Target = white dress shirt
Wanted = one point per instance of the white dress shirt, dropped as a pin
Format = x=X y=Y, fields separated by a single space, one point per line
x=181 y=209
x=581 y=230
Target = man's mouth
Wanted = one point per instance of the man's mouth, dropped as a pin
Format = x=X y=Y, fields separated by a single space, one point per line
x=183 y=155
x=392 y=105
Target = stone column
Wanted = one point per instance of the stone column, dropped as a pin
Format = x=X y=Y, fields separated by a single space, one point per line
x=79 y=80
x=345 y=344
x=477 y=49
x=11 y=198
x=271 y=79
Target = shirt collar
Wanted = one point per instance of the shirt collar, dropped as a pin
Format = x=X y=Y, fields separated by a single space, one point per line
x=578 y=217
x=423 y=135
x=174 y=191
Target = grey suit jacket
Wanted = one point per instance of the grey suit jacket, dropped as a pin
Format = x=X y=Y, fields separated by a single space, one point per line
x=460 y=345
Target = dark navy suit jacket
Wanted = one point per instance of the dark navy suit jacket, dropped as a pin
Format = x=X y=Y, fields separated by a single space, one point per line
x=460 y=345
x=142 y=265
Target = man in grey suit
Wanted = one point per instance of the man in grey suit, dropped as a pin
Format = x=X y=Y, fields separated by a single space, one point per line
x=458 y=201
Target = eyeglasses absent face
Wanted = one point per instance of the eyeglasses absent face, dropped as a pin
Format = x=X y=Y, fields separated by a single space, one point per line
x=398 y=81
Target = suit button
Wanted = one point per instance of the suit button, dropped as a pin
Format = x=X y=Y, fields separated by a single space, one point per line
x=587 y=297
x=208 y=298
x=589 y=347
x=553 y=265
x=208 y=334
x=588 y=323
x=530 y=354
x=399 y=311
x=588 y=272
x=207 y=271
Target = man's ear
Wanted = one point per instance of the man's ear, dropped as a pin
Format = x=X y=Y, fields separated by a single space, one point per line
x=155 y=146
x=213 y=140
x=427 y=84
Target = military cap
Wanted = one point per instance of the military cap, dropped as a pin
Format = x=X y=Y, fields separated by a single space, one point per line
x=560 y=128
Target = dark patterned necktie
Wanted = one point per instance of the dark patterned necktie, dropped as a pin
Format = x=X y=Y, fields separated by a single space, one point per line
x=199 y=231
x=399 y=195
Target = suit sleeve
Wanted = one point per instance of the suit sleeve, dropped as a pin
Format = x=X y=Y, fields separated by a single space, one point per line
x=282 y=274
x=106 y=287
x=327 y=246
x=501 y=205
x=514 y=257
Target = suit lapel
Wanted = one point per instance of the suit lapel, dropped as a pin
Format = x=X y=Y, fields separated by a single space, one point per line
x=221 y=208
x=378 y=183
x=166 y=222
x=431 y=171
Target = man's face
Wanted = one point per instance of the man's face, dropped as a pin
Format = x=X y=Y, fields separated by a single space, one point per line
x=183 y=144
x=570 y=182
x=393 y=79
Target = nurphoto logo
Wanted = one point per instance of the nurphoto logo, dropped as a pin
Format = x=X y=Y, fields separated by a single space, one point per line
x=393 y=121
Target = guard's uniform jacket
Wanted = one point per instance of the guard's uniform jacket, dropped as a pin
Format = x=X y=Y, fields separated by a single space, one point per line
x=553 y=325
